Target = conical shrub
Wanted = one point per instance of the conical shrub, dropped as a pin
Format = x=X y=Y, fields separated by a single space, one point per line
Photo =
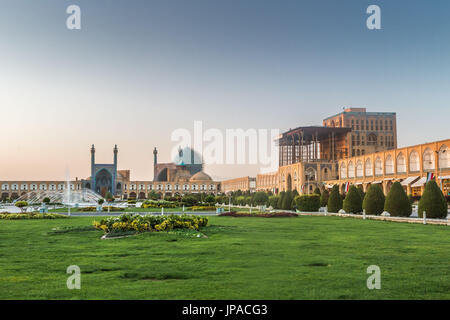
x=397 y=202
x=335 y=200
x=324 y=198
x=374 y=200
x=433 y=202
x=353 y=201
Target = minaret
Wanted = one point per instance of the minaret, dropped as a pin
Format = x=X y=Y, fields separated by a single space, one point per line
x=115 y=170
x=155 y=162
x=93 y=167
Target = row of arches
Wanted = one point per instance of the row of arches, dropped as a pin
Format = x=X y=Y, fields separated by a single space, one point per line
x=40 y=187
x=359 y=169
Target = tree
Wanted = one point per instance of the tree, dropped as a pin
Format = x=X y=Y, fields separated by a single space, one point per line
x=324 y=198
x=433 y=202
x=46 y=200
x=335 y=200
x=101 y=201
x=210 y=199
x=260 y=198
x=317 y=191
x=22 y=205
x=352 y=202
x=374 y=199
x=361 y=193
x=153 y=195
x=308 y=202
x=273 y=202
x=280 y=200
x=287 y=201
x=189 y=200
x=109 y=197
x=397 y=202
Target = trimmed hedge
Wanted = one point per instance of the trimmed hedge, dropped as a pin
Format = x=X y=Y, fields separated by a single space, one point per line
x=324 y=198
x=374 y=200
x=308 y=202
x=353 y=201
x=335 y=200
x=397 y=202
x=433 y=202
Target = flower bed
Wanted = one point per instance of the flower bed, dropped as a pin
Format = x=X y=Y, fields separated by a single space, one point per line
x=263 y=215
x=203 y=208
x=30 y=215
x=159 y=204
x=138 y=223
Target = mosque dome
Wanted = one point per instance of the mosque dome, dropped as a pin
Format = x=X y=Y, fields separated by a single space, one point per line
x=186 y=156
x=200 y=176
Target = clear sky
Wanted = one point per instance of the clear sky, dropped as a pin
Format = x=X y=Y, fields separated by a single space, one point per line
x=139 y=69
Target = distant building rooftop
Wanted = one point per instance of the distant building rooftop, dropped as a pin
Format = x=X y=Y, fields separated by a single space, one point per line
x=360 y=111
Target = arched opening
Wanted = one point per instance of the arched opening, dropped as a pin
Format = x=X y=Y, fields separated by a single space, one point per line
x=359 y=169
x=103 y=182
x=428 y=159
x=343 y=171
x=119 y=187
x=4 y=196
x=401 y=163
x=142 y=195
x=378 y=167
x=389 y=165
x=351 y=170
x=372 y=139
x=132 y=195
x=414 y=164
x=368 y=168
x=444 y=157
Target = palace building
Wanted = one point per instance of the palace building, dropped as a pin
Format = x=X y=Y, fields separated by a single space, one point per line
x=180 y=177
x=353 y=147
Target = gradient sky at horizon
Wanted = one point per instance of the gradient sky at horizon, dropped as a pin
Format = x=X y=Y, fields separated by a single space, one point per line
x=138 y=70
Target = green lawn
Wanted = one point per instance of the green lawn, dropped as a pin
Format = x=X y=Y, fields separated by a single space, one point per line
x=242 y=258
x=130 y=209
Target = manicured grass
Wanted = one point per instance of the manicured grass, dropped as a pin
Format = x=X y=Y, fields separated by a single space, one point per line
x=242 y=258
x=130 y=209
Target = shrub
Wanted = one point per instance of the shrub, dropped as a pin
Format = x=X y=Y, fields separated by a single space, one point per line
x=210 y=199
x=203 y=208
x=22 y=205
x=112 y=209
x=280 y=199
x=287 y=201
x=308 y=202
x=335 y=200
x=31 y=215
x=324 y=198
x=100 y=201
x=136 y=222
x=397 y=202
x=374 y=199
x=317 y=191
x=260 y=198
x=189 y=200
x=46 y=200
x=361 y=193
x=433 y=202
x=109 y=197
x=352 y=202
x=273 y=201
